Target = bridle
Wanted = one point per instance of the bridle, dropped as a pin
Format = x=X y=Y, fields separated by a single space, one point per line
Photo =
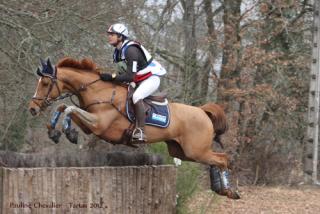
x=48 y=100
x=54 y=83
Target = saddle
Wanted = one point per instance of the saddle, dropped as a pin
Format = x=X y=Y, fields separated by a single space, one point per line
x=157 y=112
x=156 y=107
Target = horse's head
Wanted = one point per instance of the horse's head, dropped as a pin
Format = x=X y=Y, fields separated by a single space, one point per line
x=47 y=90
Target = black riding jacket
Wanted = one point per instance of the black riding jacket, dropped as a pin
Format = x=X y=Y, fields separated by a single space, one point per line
x=133 y=53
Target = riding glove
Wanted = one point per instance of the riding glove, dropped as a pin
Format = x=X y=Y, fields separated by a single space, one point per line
x=106 y=77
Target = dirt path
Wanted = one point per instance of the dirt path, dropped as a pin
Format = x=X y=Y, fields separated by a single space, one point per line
x=260 y=200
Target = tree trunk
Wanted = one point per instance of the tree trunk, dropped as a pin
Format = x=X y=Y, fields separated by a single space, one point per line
x=209 y=64
x=190 y=73
x=230 y=72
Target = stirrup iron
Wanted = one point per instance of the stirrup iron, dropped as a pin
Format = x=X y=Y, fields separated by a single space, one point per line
x=140 y=132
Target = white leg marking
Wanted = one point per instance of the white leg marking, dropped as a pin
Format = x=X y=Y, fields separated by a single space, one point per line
x=70 y=109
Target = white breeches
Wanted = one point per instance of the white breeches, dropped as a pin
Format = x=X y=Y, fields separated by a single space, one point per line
x=146 y=88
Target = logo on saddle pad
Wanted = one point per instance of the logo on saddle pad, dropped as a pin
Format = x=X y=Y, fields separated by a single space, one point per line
x=159 y=117
x=158 y=114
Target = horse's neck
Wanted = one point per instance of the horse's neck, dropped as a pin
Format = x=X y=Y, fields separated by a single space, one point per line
x=74 y=78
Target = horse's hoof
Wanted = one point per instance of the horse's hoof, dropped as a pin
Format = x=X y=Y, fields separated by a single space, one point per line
x=232 y=194
x=54 y=135
x=72 y=135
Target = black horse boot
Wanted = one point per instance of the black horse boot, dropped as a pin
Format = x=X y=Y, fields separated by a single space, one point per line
x=138 y=133
x=220 y=183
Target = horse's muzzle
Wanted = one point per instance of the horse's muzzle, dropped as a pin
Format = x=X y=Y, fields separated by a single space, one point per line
x=35 y=108
x=33 y=111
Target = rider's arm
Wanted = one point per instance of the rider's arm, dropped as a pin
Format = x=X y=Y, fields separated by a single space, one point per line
x=134 y=59
x=125 y=77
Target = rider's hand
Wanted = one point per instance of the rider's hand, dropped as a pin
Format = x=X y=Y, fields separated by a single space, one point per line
x=106 y=77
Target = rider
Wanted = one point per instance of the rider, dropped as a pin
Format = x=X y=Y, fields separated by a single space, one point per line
x=135 y=64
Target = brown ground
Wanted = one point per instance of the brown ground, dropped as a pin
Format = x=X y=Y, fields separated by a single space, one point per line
x=257 y=199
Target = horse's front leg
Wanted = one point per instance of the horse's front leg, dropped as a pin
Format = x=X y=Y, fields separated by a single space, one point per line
x=53 y=133
x=88 y=122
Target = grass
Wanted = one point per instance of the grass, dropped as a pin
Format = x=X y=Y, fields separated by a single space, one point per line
x=187 y=176
x=187 y=183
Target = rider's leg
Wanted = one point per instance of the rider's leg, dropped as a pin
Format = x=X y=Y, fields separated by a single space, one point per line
x=145 y=89
x=140 y=114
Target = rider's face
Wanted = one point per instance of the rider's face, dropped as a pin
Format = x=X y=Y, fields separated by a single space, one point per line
x=113 y=39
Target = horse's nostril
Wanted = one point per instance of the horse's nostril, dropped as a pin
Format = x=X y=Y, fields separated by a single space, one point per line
x=33 y=111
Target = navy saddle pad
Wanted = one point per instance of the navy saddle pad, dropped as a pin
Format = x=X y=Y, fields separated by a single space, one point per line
x=158 y=113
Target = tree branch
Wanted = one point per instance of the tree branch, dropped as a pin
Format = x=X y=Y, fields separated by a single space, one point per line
x=168 y=57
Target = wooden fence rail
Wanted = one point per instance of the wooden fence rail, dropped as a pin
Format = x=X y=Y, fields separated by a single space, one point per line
x=128 y=189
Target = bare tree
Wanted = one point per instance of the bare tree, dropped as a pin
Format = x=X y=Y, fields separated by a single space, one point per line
x=190 y=72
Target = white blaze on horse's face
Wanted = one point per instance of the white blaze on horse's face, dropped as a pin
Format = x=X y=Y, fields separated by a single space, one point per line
x=35 y=94
x=38 y=100
x=34 y=105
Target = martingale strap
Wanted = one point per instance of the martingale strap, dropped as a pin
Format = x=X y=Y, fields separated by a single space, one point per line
x=111 y=102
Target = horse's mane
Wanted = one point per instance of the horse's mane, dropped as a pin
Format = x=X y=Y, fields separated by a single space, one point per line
x=85 y=64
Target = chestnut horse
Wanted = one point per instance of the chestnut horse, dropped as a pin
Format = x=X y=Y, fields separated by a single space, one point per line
x=102 y=112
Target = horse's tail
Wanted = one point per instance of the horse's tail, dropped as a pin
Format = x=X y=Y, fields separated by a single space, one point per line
x=218 y=119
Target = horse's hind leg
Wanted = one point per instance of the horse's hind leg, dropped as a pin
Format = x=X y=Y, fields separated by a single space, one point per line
x=200 y=151
x=213 y=158
x=198 y=148
x=210 y=158
x=176 y=151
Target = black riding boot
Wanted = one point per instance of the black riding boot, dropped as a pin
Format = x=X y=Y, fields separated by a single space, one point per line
x=138 y=133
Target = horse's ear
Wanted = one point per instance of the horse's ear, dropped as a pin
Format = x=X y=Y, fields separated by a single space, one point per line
x=43 y=63
x=39 y=72
x=49 y=62
x=50 y=67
